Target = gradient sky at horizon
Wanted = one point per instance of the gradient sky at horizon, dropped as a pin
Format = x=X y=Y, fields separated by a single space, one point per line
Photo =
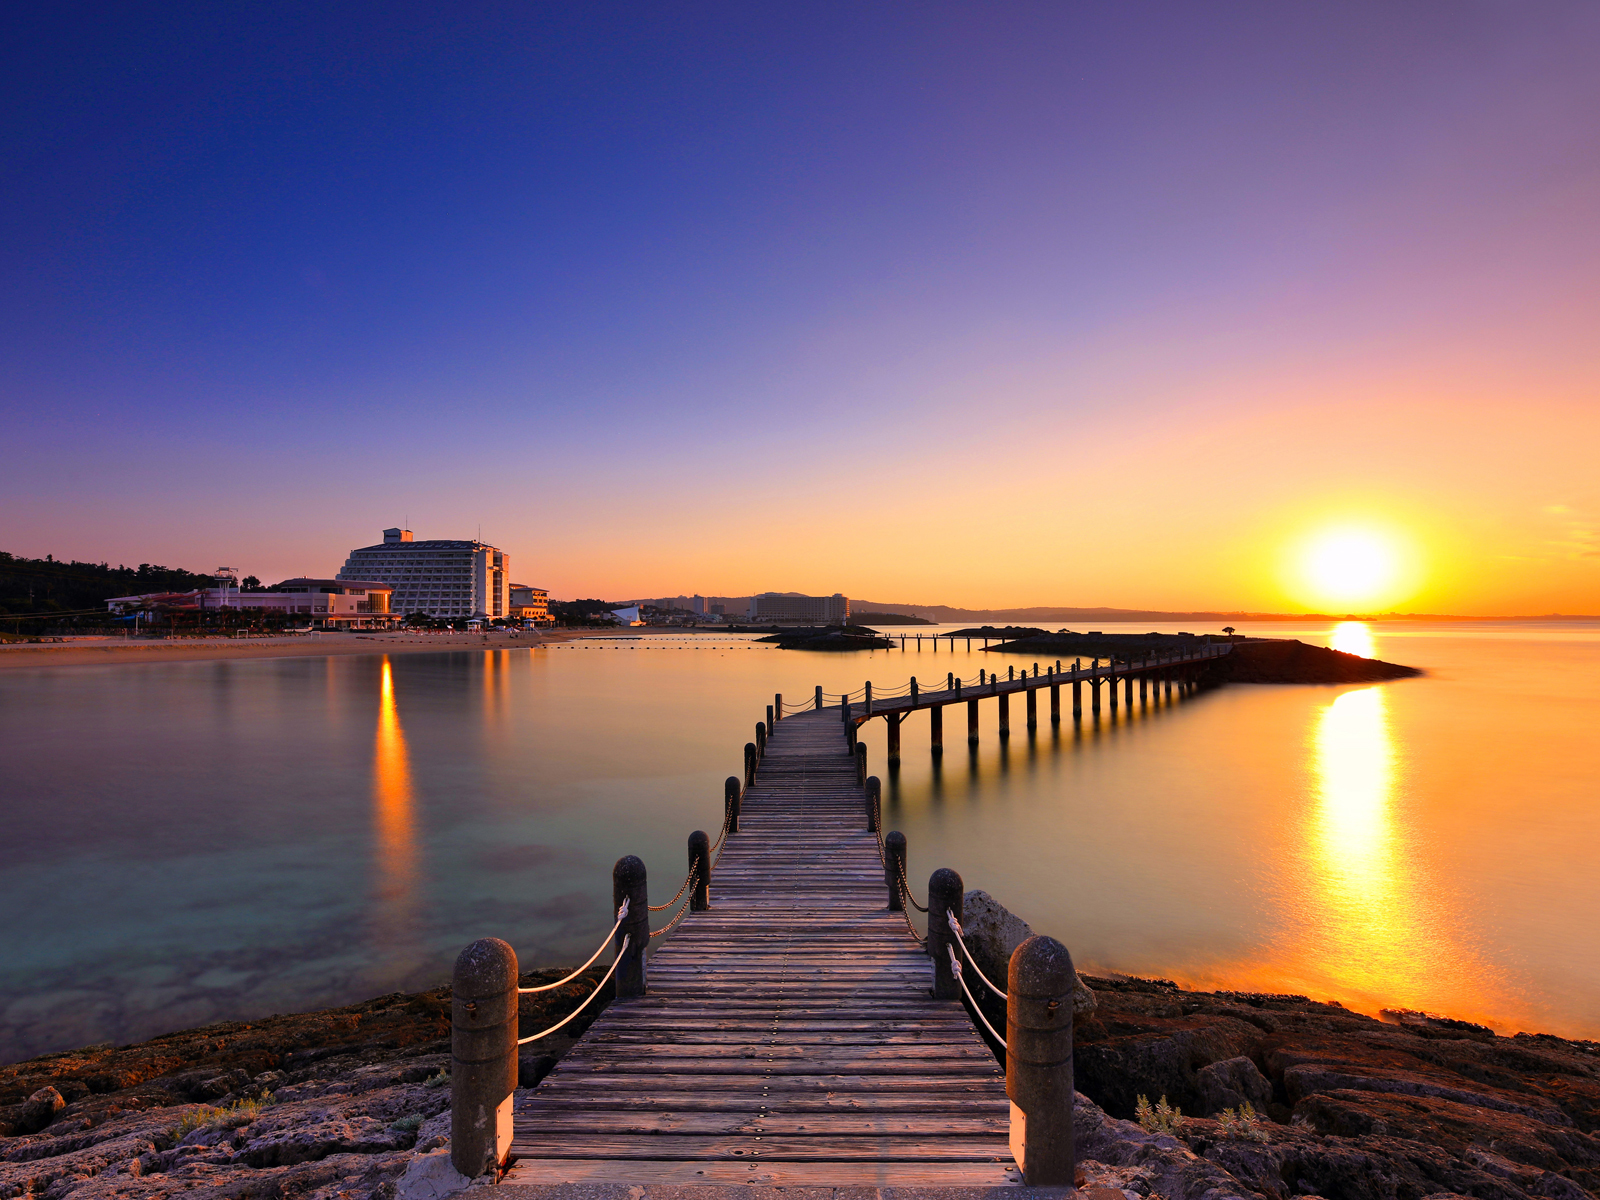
x=1071 y=304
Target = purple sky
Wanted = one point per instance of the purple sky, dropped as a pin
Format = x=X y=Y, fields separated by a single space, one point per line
x=949 y=303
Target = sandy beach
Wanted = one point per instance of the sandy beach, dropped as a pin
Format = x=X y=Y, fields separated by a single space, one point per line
x=77 y=652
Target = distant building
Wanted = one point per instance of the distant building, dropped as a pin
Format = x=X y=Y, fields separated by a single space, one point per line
x=627 y=616
x=347 y=603
x=448 y=579
x=531 y=604
x=816 y=610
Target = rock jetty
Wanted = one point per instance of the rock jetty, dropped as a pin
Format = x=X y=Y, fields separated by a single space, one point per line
x=1252 y=660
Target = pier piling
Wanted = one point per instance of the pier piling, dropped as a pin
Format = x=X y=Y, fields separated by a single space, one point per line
x=1039 y=1061
x=894 y=866
x=483 y=1055
x=945 y=890
x=628 y=882
x=972 y=722
x=892 y=720
x=700 y=867
x=936 y=730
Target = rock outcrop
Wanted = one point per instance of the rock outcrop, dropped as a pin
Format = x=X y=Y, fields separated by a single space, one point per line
x=348 y=1102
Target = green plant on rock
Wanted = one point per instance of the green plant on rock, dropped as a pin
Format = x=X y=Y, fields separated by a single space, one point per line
x=206 y=1116
x=439 y=1080
x=1246 y=1123
x=407 y=1124
x=1160 y=1119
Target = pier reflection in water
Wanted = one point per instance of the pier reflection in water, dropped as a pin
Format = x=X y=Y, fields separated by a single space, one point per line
x=193 y=842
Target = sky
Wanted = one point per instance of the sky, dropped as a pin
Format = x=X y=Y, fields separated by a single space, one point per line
x=981 y=305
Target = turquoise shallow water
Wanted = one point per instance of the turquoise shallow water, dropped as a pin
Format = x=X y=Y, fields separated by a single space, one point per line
x=189 y=842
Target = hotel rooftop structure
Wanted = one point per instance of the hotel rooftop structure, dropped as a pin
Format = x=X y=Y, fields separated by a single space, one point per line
x=450 y=579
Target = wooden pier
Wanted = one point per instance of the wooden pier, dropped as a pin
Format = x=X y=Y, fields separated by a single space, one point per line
x=788 y=1036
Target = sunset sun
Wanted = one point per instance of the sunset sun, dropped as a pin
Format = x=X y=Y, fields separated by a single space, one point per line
x=1352 y=568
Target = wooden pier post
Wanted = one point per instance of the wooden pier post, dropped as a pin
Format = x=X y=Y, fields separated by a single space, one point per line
x=945 y=891
x=894 y=866
x=700 y=862
x=972 y=722
x=913 y=691
x=1055 y=703
x=761 y=740
x=874 y=803
x=1094 y=693
x=771 y=717
x=1005 y=716
x=750 y=760
x=1144 y=695
x=892 y=720
x=731 y=794
x=1127 y=687
x=777 y=709
x=819 y=697
x=936 y=730
x=868 y=708
x=1039 y=1061
x=628 y=883
x=1166 y=677
x=1111 y=679
x=1077 y=696
x=1033 y=709
x=861 y=764
x=483 y=1055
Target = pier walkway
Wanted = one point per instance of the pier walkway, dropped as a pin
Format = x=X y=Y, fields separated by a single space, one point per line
x=788 y=1036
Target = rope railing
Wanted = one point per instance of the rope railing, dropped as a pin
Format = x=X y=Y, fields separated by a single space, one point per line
x=670 y=925
x=905 y=888
x=955 y=927
x=622 y=913
x=681 y=891
x=612 y=970
x=955 y=969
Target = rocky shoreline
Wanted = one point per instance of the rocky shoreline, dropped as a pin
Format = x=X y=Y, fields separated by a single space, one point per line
x=353 y=1102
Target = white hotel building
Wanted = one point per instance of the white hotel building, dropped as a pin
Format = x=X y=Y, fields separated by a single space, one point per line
x=447 y=579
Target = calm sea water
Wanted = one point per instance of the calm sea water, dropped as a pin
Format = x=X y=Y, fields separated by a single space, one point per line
x=190 y=842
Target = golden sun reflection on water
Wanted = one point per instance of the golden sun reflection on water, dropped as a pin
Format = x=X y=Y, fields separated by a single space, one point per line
x=393 y=802
x=1353 y=637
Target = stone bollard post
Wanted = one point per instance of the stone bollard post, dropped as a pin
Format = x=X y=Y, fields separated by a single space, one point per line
x=945 y=890
x=628 y=883
x=730 y=802
x=483 y=1055
x=700 y=861
x=761 y=739
x=874 y=803
x=819 y=697
x=894 y=866
x=750 y=759
x=861 y=763
x=1039 y=1061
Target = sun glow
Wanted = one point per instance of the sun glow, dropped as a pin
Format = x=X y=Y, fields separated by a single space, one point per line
x=1353 y=568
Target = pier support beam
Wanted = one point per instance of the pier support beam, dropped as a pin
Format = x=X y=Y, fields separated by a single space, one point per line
x=628 y=883
x=1094 y=695
x=700 y=866
x=1111 y=690
x=1127 y=690
x=892 y=720
x=972 y=722
x=1005 y=716
x=936 y=730
x=1077 y=698
x=945 y=890
x=894 y=866
x=1055 y=704
x=1166 y=677
x=1033 y=709
x=1144 y=690
x=483 y=1055
x=1039 y=1061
